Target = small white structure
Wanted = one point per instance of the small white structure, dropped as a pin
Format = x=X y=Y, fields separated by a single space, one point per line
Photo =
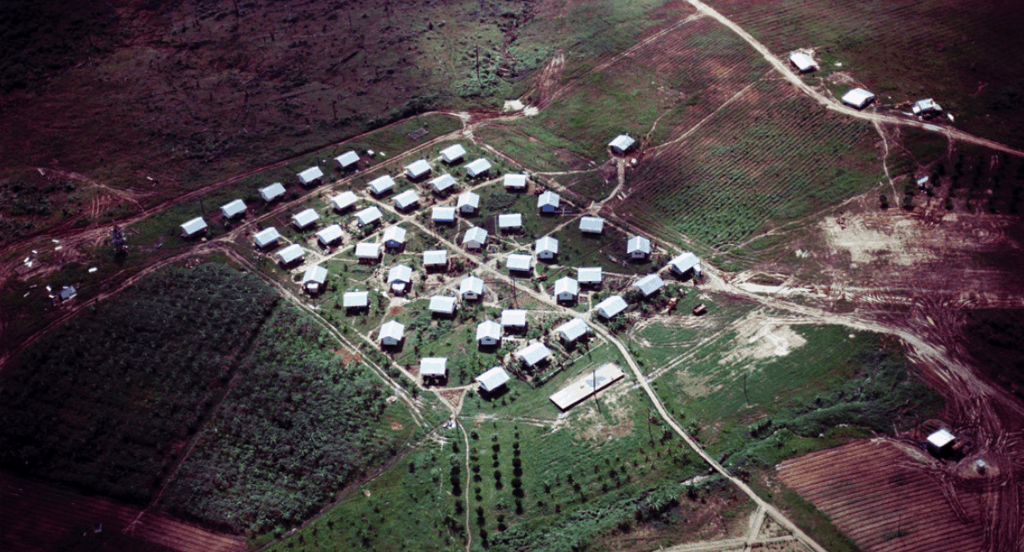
x=621 y=144
x=684 y=263
x=475 y=238
x=407 y=200
x=513 y=319
x=442 y=304
x=572 y=330
x=546 y=248
x=471 y=288
x=399 y=278
x=488 y=333
x=290 y=254
x=356 y=300
x=443 y=184
x=589 y=275
x=314 y=278
x=858 y=98
x=381 y=185
x=272 y=192
x=347 y=160
x=649 y=285
x=510 y=222
x=368 y=251
x=468 y=203
x=193 y=227
x=926 y=106
x=310 y=176
x=436 y=258
x=304 y=219
x=394 y=237
x=802 y=62
x=417 y=169
x=434 y=367
x=443 y=215
x=453 y=154
x=493 y=379
x=591 y=225
x=611 y=306
x=518 y=262
x=233 y=209
x=586 y=385
x=638 y=247
x=478 y=168
x=266 y=237
x=533 y=354
x=567 y=290
x=392 y=333
x=548 y=202
x=515 y=182
x=940 y=441
x=370 y=215
x=343 y=201
x=328 y=236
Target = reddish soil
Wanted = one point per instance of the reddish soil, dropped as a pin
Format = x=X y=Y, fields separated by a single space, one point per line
x=452 y=396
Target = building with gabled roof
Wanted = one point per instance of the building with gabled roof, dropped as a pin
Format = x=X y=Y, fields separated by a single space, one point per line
x=926 y=106
x=391 y=333
x=445 y=215
x=443 y=184
x=684 y=263
x=347 y=160
x=310 y=176
x=572 y=330
x=314 y=279
x=478 y=168
x=802 y=62
x=591 y=225
x=354 y=300
x=475 y=238
x=272 y=192
x=858 y=98
x=368 y=216
x=368 y=251
x=649 y=285
x=611 y=306
x=534 y=354
x=621 y=144
x=343 y=201
x=518 y=262
x=488 y=333
x=513 y=319
x=193 y=227
x=638 y=247
x=434 y=367
x=407 y=200
x=567 y=290
x=381 y=185
x=417 y=169
x=468 y=203
x=233 y=209
x=515 y=182
x=589 y=275
x=510 y=222
x=394 y=237
x=453 y=153
x=443 y=305
x=435 y=258
x=305 y=218
x=471 y=288
x=399 y=278
x=493 y=379
x=328 y=236
x=548 y=202
x=266 y=237
x=290 y=254
x=546 y=248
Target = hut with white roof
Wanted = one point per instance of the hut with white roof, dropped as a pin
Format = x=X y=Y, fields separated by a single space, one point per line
x=493 y=380
x=611 y=307
x=233 y=209
x=478 y=168
x=468 y=203
x=638 y=248
x=348 y=160
x=344 y=201
x=515 y=182
x=488 y=333
x=330 y=235
x=290 y=254
x=381 y=185
x=311 y=176
x=621 y=144
x=266 y=237
x=453 y=154
x=546 y=248
x=272 y=192
x=443 y=184
x=858 y=98
x=193 y=228
x=434 y=368
x=391 y=334
x=417 y=170
x=567 y=290
x=305 y=218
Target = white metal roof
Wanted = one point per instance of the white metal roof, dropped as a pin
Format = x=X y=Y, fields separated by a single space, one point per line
x=368 y=216
x=344 y=200
x=310 y=175
x=685 y=262
x=392 y=329
x=515 y=181
x=478 y=167
x=290 y=253
x=493 y=379
x=547 y=244
x=400 y=273
x=434 y=366
x=622 y=142
x=367 y=250
x=802 y=61
x=518 y=261
x=513 y=317
x=593 y=225
x=381 y=184
x=356 y=299
x=649 y=284
x=272 y=192
x=347 y=159
x=316 y=274
x=303 y=219
x=858 y=97
x=330 y=234
x=443 y=182
x=442 y=304
x=394 y=234
x=534 y=353
x=407 y=199
x=548 y=199
x=573 y=329
x=611 y=306
x=471 y=284
x=475 y=235
x=510 y=220
x=638 y=244
x=194 y=226
x=941 y=438
x=443 y=214
x=566 y=285
x=417 y=168
x=469 y=199
x=589 y=275
x=233 y=208
x=590 y=382
x=453 y=153
x=925 y=106
x=488 y=329
x=435 y=257
x=266 y=236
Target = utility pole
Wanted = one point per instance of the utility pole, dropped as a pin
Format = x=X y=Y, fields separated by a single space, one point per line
x=745 y=389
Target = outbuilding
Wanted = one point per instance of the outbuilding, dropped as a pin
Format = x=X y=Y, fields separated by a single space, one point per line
x=356 y=300
x=567 y=290
x=534 y=354
x=399 y=278
x=649 y=285
x=266 y=237
x=368 y=251
x=638 y=248
x=611 y=306
x=233 y=209
x=858 y=98
x=417 y=170
x=407 y=200
x=493 y=379
x=193 y=227
x=546 y=248
x=513 y=319
x=344 y=201
x=510 y=222
x=394 y=237
x=475 y=238
x=330 y=235
x=311 y=176
x=443 y=305
x=314 y=279
x=589 y=276
x=802 y=62
x=621 y=144
x=478 y=168
x=273 y=192
x=926 y=107
x=435 y=259
x=305 y=219
x=548 y=202
x=381 y=185
x=471 y=288
x=443 y=215
x=468 y=203
x=518 y=262
x=591 y=225
x=443 y=184
x=368 y=216
x=435 y=368
x=515 y=182
x=290 y=254
x=392 y=333
x=347 y=160
x=940 y=442
x=684 y=263
x=572 y=330
x=488 y=333
x=453 y=154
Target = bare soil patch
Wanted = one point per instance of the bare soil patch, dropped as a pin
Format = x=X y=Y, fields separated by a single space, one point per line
x=760 y=336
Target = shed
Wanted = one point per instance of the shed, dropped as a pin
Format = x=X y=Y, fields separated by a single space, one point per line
x=589 y=275
x=343 y=201
x=515 y=182
x=381 y=185
x=453 y=153
x=858 y=98
x=233 y=209
x=435 y=258
x=67 y=293
x=940 y=442
x=548 y=202
x=510 y=222
x=328 y=236
x=442 y=304
x=802 y=62
x=193 y=227
x=684 y=263
x=443 y=184
x=417 y=169
x=399 y=277
x=926 y=106
x=272 y=192
x=649 y=285
x=347 y=160
x=638 y=247
x=266 y=237
x=370 y=215
x=304 y=219
x=468 y=203
x=621 y=144
x=546 y=248
x=611 y=306
x=488 y=333
x=311 y=176
x=493 y=379
x=471 y=288
x=533 y=354
x=475 y=238
x=407 y=200
x=478 y=168
x=443 y=215
x=591 y=225
x=513 y=319
x=434 y=367
x=356 y=300
x=392 y=333
x=368 y=251
x=314 y=278
x=572 y=330
x=394 y=237
x=566 y=289
x=290 y=254
x=519 y=263
x=586 y=385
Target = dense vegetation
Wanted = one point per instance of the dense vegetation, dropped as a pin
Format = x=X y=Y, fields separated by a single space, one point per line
x=995 y=338
x=107 y=400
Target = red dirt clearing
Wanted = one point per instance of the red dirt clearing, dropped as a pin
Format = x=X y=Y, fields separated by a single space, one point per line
x=36 y=516
x=883 y=499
